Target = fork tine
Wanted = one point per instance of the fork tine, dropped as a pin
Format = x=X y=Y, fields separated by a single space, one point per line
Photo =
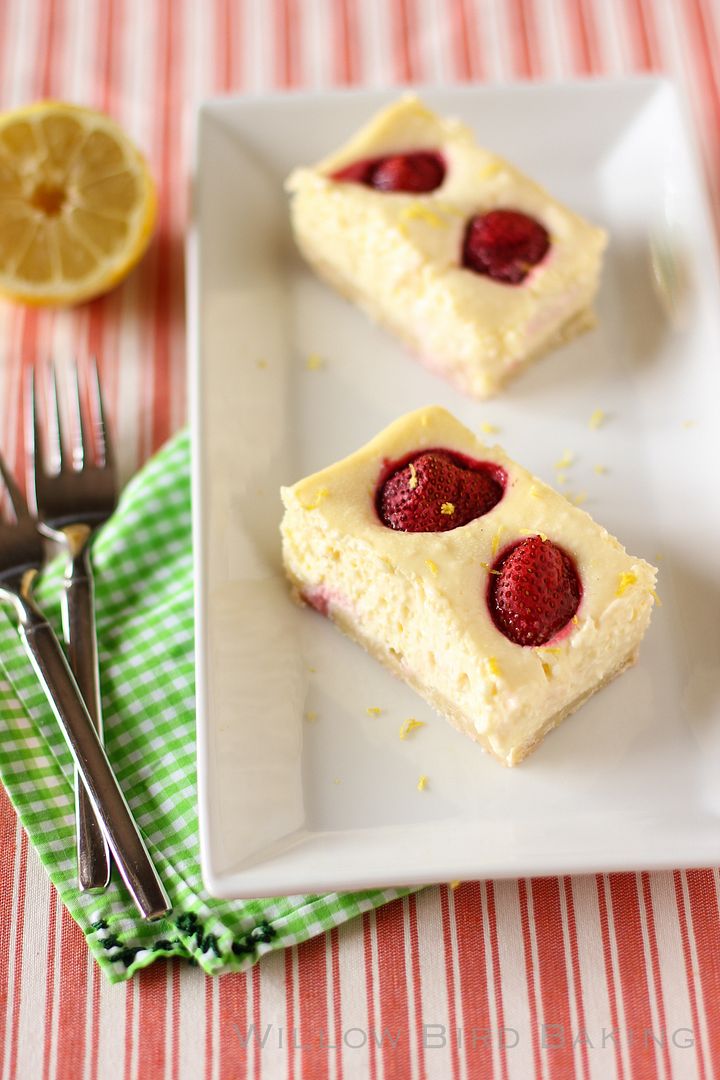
x=33 y=441
x=104 y=448
x=54 y=423
x=18 y=503
x=80 y=446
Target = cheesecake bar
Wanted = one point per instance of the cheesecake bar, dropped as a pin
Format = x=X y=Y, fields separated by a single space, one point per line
x=474 y=266
x=504 y=605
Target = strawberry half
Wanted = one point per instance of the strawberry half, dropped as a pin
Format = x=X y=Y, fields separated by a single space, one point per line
x=536 y=592
x=416 y=172
x=358 y=172
x=504 y=245
x=437 y=491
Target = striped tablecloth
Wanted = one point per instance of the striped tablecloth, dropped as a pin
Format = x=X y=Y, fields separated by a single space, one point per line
x=595 y=976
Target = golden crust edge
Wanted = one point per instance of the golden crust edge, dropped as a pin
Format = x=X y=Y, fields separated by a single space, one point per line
x=445 y=708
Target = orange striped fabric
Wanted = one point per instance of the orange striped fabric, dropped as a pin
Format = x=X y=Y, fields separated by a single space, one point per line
x=593 y=977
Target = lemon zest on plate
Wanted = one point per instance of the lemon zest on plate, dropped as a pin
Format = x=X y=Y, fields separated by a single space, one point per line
x=410 y=725
x=566 y=460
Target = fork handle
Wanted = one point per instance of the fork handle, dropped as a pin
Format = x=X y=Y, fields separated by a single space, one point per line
x=108 y=801
x=81 y=640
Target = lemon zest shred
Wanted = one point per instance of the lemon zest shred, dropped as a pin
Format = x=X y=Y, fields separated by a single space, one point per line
x=561 y=479
x=373 y=710
x=627 y=578
x=596 y=419
x=493 y=666
x=547 y=669
x=535 y=491
x=488 y=428
x=548 y=649
x=320 y=494
x=432 y=567
x=454 y=885
x=486 y=566
x=447 y=509
x=491 y=168
x=417 y=211
x=311 y=716
x=413 y=481
x=422 y=782
x=566 y=460
x=580 y=498
x=262 y=363
x=600 y=469
x=314 y=362
x=410 y=725
x=496 y=539
x=656 y=598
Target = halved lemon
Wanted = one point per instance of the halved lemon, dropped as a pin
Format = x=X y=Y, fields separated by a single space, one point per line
x=77 y=204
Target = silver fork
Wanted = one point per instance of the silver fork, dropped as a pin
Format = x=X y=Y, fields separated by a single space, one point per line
x=71 y=500
x=21 y=556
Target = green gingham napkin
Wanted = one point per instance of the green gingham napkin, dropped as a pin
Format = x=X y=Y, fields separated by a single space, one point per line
x=144 y=583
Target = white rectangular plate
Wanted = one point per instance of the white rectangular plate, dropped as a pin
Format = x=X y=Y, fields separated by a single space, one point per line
x=632 y=780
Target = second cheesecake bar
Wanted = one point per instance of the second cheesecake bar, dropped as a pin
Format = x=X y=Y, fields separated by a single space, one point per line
x=476 y=267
